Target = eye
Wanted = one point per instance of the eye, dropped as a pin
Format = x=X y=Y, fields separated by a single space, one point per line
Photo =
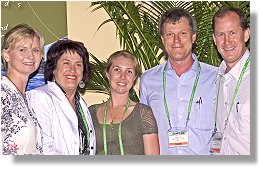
x=66 y=62
x=232 y=33
x=168 y=35
x=36 y=50
x=130 y=71
x=79 y=65
x=183 y=33
x=116 y=69
x=22 y=49
x=219 y=34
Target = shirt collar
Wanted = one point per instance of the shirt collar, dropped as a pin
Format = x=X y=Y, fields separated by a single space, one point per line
x=194 y=67
x=235 y=71
x=59 y=88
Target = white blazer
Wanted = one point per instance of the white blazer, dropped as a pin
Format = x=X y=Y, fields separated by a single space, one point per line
x=59 y=121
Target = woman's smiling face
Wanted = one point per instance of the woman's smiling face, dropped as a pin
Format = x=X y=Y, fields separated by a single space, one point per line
x=69 y=71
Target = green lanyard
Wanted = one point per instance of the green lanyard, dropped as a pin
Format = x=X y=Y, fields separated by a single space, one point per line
x=119 y=131
x=191 y=98
x=85 y=122
x=234 y=95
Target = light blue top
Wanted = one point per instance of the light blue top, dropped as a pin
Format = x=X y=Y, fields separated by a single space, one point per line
x=178 y=92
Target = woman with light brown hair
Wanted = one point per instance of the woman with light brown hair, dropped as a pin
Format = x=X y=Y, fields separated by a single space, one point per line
x=122 y=126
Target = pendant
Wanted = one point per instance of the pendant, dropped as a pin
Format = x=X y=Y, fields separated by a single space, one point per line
x=111 y=125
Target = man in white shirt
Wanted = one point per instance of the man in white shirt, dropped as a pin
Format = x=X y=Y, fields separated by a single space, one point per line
x=232 y=122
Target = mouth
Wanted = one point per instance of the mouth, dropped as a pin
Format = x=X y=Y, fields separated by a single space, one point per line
x=72 y=77
x=29 y=63
x=229 y=48
x=121 y=84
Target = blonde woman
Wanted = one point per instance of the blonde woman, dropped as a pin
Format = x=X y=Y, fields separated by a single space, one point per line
x=22 y=50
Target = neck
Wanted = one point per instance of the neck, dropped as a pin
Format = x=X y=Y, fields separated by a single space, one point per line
x=19 y=81
x=71 y=98
x=230 y=65
x=119 y=100
x=181 y=67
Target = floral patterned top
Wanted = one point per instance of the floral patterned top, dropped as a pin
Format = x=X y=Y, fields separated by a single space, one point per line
x=21 y=132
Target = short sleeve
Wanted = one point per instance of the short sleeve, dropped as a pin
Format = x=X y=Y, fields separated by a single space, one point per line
x=149 y=124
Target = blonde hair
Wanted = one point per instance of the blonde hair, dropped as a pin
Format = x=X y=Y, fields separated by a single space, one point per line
x=16 y=34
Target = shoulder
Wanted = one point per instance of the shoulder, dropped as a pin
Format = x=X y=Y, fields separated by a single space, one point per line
x=154 y=71
x=208 y=69
x=143 y=108
x=94 y=107
x=40 y=91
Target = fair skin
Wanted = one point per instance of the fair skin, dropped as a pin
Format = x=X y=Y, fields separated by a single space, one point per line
x=178 y=40
x=23 y=60
x=69 y=73
x=121 y=77
x=230 y=39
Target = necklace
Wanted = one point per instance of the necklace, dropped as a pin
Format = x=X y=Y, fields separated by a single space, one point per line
x=113 y=118
x=119 y=130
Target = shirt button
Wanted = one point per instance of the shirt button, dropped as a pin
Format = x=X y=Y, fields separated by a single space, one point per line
x=226 y=85
x=180 y=116
x=90 y=131
x=91 y=147
x=225 y=103
x=180 y=151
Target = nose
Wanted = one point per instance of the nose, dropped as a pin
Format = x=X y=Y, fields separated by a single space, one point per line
x=176 y=38
x=72 y=68
x=30 y=54
x=227 y=39
x=122 y=75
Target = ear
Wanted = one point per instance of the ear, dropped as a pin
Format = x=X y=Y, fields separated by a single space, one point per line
x=5 y=55
x=246 y=34
x=214 y=38
x=107 y=75
x=162 y=39
x=193 y=38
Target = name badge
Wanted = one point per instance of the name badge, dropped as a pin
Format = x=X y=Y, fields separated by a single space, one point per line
x=178 y=137
x=216 y=143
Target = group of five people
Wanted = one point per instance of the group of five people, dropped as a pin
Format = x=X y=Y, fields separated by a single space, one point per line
x=186 y=107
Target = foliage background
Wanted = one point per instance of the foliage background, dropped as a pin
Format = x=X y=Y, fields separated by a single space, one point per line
x=137 y=30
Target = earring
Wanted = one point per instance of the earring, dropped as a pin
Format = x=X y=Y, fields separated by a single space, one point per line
x=81 y=84
x=54 y=77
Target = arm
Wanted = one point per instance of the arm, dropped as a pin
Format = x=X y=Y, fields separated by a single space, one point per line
x=8 y=119
x=150 y=131
x=43 y=108
x=151 y=144
x=143 y=91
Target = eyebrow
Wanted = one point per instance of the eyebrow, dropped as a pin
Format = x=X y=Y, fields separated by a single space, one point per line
x=121 y=67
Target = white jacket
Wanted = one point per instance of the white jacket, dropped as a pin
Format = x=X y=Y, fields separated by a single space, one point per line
x=59 y=121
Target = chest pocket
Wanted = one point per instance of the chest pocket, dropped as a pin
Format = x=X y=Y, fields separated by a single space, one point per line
x=203 y=114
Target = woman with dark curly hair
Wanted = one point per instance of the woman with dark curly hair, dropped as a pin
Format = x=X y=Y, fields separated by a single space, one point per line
x=63 y=114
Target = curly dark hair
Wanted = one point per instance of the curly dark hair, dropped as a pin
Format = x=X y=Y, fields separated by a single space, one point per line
x=58 y=49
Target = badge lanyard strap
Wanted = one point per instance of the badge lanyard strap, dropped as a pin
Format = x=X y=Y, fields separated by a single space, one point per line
x=119 y=130
x=85 y=122
x=191 y=98
x=234 y=95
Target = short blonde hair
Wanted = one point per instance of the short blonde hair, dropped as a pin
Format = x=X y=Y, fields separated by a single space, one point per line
x=16 y=34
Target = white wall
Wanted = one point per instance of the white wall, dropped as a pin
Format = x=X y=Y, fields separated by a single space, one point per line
x=82 y=26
